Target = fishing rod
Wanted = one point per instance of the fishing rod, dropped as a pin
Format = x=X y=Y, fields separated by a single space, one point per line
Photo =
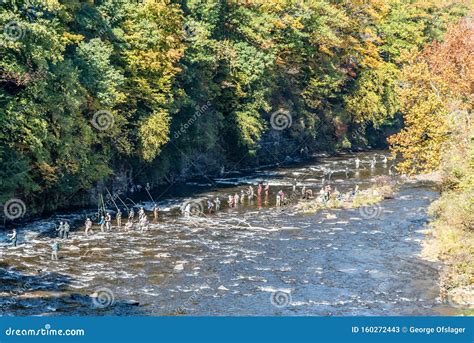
x=147 y=190
x=112 y=198
x=131 y=201
x=124 y=204
x=103 y=203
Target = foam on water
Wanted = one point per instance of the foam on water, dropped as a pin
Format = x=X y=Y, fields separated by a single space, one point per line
x=247 y=252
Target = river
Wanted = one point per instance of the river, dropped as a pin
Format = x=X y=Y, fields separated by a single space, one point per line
x=254 y=259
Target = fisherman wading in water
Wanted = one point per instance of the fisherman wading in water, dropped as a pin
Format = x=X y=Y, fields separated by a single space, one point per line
x=88 y=225
x=118 y=218
x=210 y=206
x=141 y=213
x=13 y=237
x=108 y=222
x=129 y=225
x=102 y=223
x=60 y=230
x=67 y=228
x=156 y=212
x=55 y=248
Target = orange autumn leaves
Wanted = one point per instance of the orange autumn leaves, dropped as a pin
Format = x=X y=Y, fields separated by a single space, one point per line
x=435 y=85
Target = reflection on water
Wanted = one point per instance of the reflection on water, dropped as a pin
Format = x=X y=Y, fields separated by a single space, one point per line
x=250 y=260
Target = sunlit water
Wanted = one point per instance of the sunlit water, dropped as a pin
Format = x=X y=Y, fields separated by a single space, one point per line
x=250 y=260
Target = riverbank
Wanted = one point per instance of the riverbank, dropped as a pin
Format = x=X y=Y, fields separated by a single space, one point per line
x=453 y=247
x=451 y=238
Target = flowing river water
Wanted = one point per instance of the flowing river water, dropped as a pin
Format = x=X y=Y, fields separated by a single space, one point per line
x=254 y=259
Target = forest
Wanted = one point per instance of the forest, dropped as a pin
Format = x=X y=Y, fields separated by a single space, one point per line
x=117 y=92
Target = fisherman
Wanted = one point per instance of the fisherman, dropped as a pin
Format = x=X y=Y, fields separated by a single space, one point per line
x=373 y=163
x=131 y=214
x=108 y=222
x=259 y=189
x=128 y=225
x=88 y=225
x=102 y=223
x=144 y=224
x=355 y=191
x=141 y=213
x=67 y=228
x=156 y=212
x=187 y=210
x=328 y=193
x=210 y=206
x=13 y=237
x=347 y=172
x=242 y=196
x=60 y=230
x=54 y=254
x=250 y=193
x=390 y=170
x=236 y=199
x=230 y=201
x=267 y=189
x=326 y=196
x=278 y=200
x=282 y=197
x=337 y=194
x=357 y=162
x=118 y=218
x=218 y=203
x=322 y=195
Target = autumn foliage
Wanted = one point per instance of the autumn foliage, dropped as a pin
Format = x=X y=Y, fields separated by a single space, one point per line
x=436 y=98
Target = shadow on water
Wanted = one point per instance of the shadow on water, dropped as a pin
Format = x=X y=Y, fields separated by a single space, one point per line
x=48 y=293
